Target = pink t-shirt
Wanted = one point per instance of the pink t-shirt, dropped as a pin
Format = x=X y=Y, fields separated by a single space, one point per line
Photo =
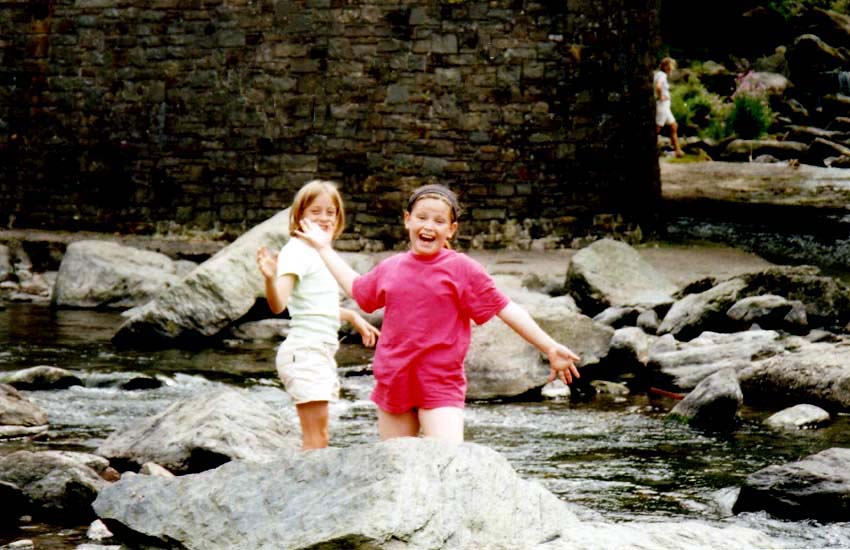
x=429 y=302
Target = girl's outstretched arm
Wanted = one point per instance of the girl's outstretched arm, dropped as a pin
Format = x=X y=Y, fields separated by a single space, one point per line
x=368 y=333
x=313 y=235
x=562 y=360
x=278 y=289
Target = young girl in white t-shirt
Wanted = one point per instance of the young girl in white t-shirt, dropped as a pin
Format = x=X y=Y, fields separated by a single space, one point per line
x=298 y=279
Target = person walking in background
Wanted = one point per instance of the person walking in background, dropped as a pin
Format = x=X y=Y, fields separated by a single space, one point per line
x=663 y=114
x=298 y=279
x=430 y=294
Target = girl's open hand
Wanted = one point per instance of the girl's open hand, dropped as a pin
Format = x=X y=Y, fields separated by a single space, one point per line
x=313 y=234
x=368 y=333
x=267 y=262
x=562 y=364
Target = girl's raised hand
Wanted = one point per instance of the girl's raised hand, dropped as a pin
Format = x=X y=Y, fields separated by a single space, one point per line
x=313 y=234
x=562 y=364
x=267 y=262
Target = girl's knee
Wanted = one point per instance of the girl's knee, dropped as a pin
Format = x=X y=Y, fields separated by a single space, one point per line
x=392 y=425
x=443 y=423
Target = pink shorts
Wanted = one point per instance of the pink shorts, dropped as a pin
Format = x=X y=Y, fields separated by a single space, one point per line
x=419 y=387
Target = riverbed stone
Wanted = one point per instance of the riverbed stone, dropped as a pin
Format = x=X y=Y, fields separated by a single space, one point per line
x=826 y=300
x=816 y=487
x=42 y=377
x=817 y=373
x=713 y=403
x=612 y=273
x=215 y=294
x=629 y=352
x=58 y=487
x=105 y=274
x=769 y=311
x=5 y=262
x=798 y=416
x=203 y=432
x=696 y=313
x=16 y=411
x=686 y=364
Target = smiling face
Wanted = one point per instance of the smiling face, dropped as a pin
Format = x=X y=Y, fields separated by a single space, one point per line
x=429 y=225
x=322 y=211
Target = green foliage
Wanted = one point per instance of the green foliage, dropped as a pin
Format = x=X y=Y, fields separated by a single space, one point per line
x=751 y=116
x=793 y=8
x=693 y=106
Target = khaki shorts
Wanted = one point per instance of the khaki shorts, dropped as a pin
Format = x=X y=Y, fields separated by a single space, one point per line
x=308 y=372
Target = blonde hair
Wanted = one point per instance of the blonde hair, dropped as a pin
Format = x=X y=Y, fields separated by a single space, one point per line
x=667 y=62
x=306 y=195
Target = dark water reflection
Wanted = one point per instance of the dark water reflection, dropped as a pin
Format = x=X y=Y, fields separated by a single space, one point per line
x=611 y=459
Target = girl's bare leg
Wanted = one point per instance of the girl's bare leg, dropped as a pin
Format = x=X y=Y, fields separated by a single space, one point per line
x=392 y=425
x=443 y=423
x=314 y=424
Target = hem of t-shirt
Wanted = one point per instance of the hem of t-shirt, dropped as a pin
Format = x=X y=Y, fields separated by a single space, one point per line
x=424 y=405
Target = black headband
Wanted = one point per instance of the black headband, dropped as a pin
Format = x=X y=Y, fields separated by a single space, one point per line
x=435 y=189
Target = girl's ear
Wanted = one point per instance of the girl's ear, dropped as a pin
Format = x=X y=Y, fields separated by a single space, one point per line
x=406 y=218
x=453 y=229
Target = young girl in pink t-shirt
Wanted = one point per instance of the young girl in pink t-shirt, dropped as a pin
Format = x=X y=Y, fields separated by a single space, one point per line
x=430 y=295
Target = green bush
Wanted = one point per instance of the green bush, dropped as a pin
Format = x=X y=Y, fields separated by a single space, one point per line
x=695 y=107
x=751 y=116
x=793 y=8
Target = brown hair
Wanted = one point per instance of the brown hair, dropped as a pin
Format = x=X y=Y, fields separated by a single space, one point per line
x=306 y=195
x=439 y=192
x=667 y=62
x=435 y=191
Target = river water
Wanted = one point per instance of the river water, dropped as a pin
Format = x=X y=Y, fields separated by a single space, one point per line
x=610 y=459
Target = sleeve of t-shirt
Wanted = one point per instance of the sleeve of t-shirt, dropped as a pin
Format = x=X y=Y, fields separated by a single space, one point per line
x=367 y=289
x=293 y=259
x=479 y=295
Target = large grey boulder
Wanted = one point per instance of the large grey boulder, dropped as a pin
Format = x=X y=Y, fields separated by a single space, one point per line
x=104 y=274
x=203 y=432
x=612 y=273
x=817 y=373
x=500 y=363
x=713 y=404
x=816 y=487
x=402 y=494
x=18 y=416
x=216 y=293
x=59 y=488
x=420 y=491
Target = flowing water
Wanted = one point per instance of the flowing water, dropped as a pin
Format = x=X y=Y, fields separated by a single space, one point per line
x=612 y=459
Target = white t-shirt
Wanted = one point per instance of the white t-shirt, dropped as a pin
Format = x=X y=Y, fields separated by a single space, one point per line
x=314 y=302
x=661 y=76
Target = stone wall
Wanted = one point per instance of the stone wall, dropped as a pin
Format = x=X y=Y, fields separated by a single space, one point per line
x=166 y=115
